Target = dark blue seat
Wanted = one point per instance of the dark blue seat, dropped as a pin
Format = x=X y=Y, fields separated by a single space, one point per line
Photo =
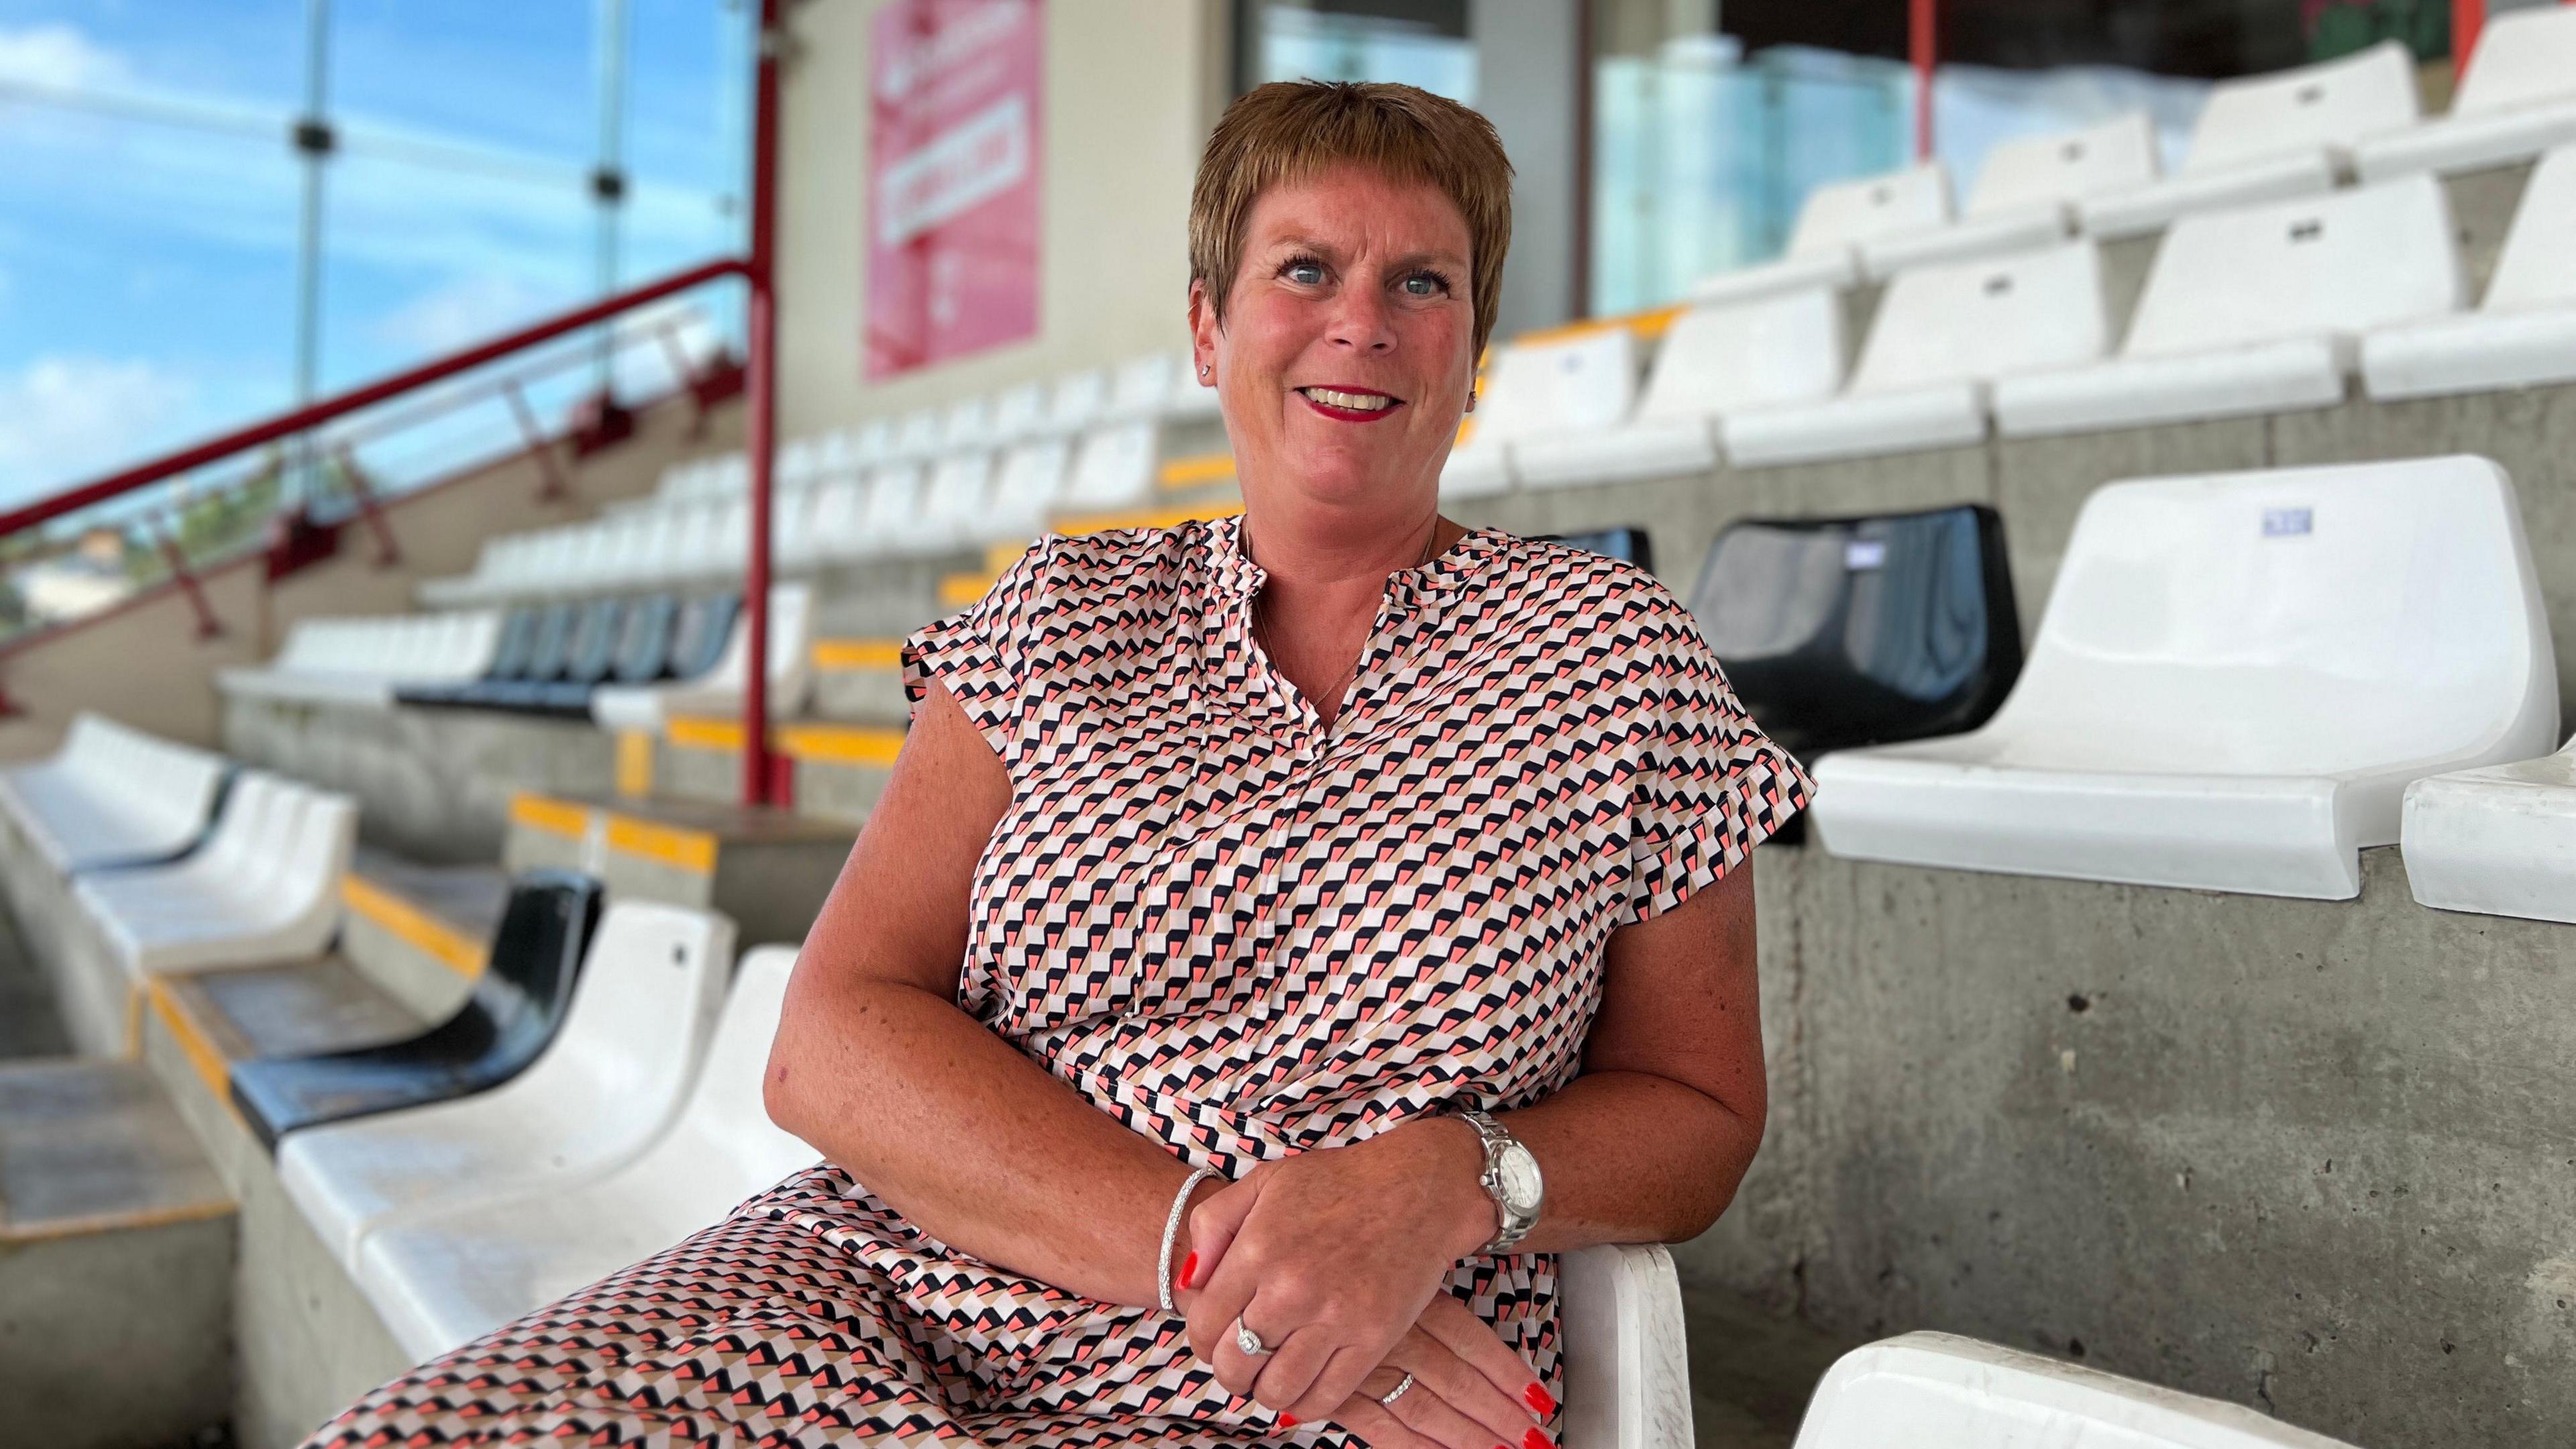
x=1841 y=632
x=517 y=1004
x=698 y=636
x=510 y=659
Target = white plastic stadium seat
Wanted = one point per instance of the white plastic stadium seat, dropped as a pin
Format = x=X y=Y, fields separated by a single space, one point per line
x=2026 y=194
x=2517 y=100
x=1714 y=361
x=916 y=437
x=1026 y=485
x=1833 y=224
x=2236 y=678
x=1077 y=401
x=1941 y=1391
x=1018 y=412
x=1113 y=468
x=2524 y=332
x=1192 y=400
x=1943 y=335
x=2269 y=138
x=600 y=1093
x=2258 y=311
x=361 y=661
x=1562 y=387
x=111 y=795
x=1144 y=386
x=719 y=690
x=1627 y=1365
x=273 y=897
x=2500 y=840
x=894 y=496
x=442 y=1279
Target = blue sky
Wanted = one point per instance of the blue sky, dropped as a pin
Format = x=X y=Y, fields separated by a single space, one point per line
x=147 y=269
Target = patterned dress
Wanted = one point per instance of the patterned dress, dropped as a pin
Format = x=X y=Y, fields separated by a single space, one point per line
x=1233 y=930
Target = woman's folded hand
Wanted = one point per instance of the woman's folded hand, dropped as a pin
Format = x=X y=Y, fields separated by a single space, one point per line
x=1335 y=1256
x=1470 y=1391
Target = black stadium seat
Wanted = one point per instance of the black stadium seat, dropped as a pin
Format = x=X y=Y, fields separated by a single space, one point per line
x=510 y=656
x=1841 y=632
x=597 y=642
x=698 y=639
x=644 y=651
x=517 y=1004
x=1627 y=544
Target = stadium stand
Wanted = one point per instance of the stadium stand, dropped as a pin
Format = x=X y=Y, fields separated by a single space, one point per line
x=265 y=888
x=603 y=1088
x=718 y=687
x=2500 y=840
x=113 y=796
x=367 y=661
x=1713 y=360
x=443 y=1277
x=1841 y=632
x=2027 y=193
x=1944 y=336
x=1834 y=224
x=1942 y=1391
x=2258 y=310
x=2235 y=680
x=1538 y=390
x=2517 y=99
x=2269 y=138
x=517 y=1002
x=2524 y=331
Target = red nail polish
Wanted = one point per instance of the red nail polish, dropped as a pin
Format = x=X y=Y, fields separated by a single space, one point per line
x=1537 y=1439
x=1287 y=1421
x=1189 y=1270
x=1541 y=1402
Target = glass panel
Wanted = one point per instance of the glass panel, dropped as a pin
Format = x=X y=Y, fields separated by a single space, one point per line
x=1417 y=42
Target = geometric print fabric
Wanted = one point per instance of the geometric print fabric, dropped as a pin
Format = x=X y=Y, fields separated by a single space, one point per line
x=1235 y=931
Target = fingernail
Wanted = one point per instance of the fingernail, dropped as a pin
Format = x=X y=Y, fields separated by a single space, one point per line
x=1537 y=1439
x=1189 y=1270
x=1287 y=1421
x=1541 y=1402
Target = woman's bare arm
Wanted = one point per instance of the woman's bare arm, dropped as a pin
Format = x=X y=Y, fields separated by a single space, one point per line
x=876 y=1065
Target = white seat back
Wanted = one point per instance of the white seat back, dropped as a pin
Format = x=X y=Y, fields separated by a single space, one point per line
x=836 y=527
x=1143 y=383
x=1018 y=412
x=1784 y=348
x=2265 y=621
x=1848 y=213
x=966 y=425
x=1983 y=320
x=958 y=493
x=1940 y=1391
x=1114 y=467
x=1077 y=400
x=2332 y=103
x=2524 y=58
x=2035 y=170
x=649 y=990
x=2340 y=263
x=916 y=437
x=872 y=444
x=1570 y=384
x=2538 y=265
x=308 y=871
x=1031 y=477
x=894 y=505
x=723 y=1147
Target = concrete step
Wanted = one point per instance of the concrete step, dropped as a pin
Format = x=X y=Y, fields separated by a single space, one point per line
x=420 y=932
x=116 y=1262
x=860 y=681
x=837 y=770
x=767 y=868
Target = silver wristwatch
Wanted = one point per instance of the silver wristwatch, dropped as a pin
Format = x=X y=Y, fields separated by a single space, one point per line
x=1511 y=1179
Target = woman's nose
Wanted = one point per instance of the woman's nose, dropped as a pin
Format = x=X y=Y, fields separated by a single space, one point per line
x=1361 y=320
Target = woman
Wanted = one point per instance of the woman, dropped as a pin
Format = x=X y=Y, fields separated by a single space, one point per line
x=1277 y=846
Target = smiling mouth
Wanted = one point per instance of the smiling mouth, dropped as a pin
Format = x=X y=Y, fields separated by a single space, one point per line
x=1348 y=405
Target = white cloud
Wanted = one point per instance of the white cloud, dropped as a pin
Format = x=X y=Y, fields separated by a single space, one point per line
x=63 y=417
x=58 y=57
x=469 y=310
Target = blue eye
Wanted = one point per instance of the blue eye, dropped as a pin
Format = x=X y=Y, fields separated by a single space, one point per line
x=1306 y=274
x=1422 y=284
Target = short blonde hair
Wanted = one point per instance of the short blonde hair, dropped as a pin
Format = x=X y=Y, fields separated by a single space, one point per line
x=1290 y=130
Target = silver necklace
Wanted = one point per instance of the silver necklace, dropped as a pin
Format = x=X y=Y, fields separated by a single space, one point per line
x=1261 y=613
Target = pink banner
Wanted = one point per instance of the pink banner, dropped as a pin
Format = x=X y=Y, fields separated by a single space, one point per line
x=953 y=158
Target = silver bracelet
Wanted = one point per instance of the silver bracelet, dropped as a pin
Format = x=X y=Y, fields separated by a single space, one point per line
x=1172 y=1230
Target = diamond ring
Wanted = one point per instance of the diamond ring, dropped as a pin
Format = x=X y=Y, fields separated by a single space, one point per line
x=1249 y=1341
x=1397 y=1392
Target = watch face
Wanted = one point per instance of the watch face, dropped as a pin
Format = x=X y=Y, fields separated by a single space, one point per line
x=1518 y=1171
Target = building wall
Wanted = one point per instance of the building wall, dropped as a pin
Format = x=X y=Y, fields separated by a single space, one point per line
x=1131 y=88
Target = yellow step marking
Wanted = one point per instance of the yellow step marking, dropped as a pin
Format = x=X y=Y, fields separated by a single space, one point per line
x=998 y=557
x=1192 y=472
x=1647 y=325
x=956 y=591
x=557 y=817
x=838 y=655
x=209 y=1063
x=1165 y=516
x=415 y=927
x=703 y=732
x=635 y=763
x=116 y=1222
x=693 y=851
x=836 y=744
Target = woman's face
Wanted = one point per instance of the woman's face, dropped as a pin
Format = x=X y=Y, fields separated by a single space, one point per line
x=1343 y=364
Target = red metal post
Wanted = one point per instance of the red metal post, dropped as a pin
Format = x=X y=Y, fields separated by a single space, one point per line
x=388 y=553
x=208 y=626
x=1923 y=24
x=760 y=340
x=2468 y=17
x=540 y=447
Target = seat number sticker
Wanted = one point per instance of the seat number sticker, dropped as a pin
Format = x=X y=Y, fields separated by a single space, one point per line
x=2288 y=522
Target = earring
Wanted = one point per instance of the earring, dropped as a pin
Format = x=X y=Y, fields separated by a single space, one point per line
x=1203 y=369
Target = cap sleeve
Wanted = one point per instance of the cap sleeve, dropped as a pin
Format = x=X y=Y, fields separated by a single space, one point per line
x=1705 y=785
x=980 y=654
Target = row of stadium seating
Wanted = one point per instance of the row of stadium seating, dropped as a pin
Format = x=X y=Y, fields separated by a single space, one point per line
x=111 y=796
x=965 y=500
x=2259 y=139
x=624 y=662
x=2266 y=309
x=1154 y=388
